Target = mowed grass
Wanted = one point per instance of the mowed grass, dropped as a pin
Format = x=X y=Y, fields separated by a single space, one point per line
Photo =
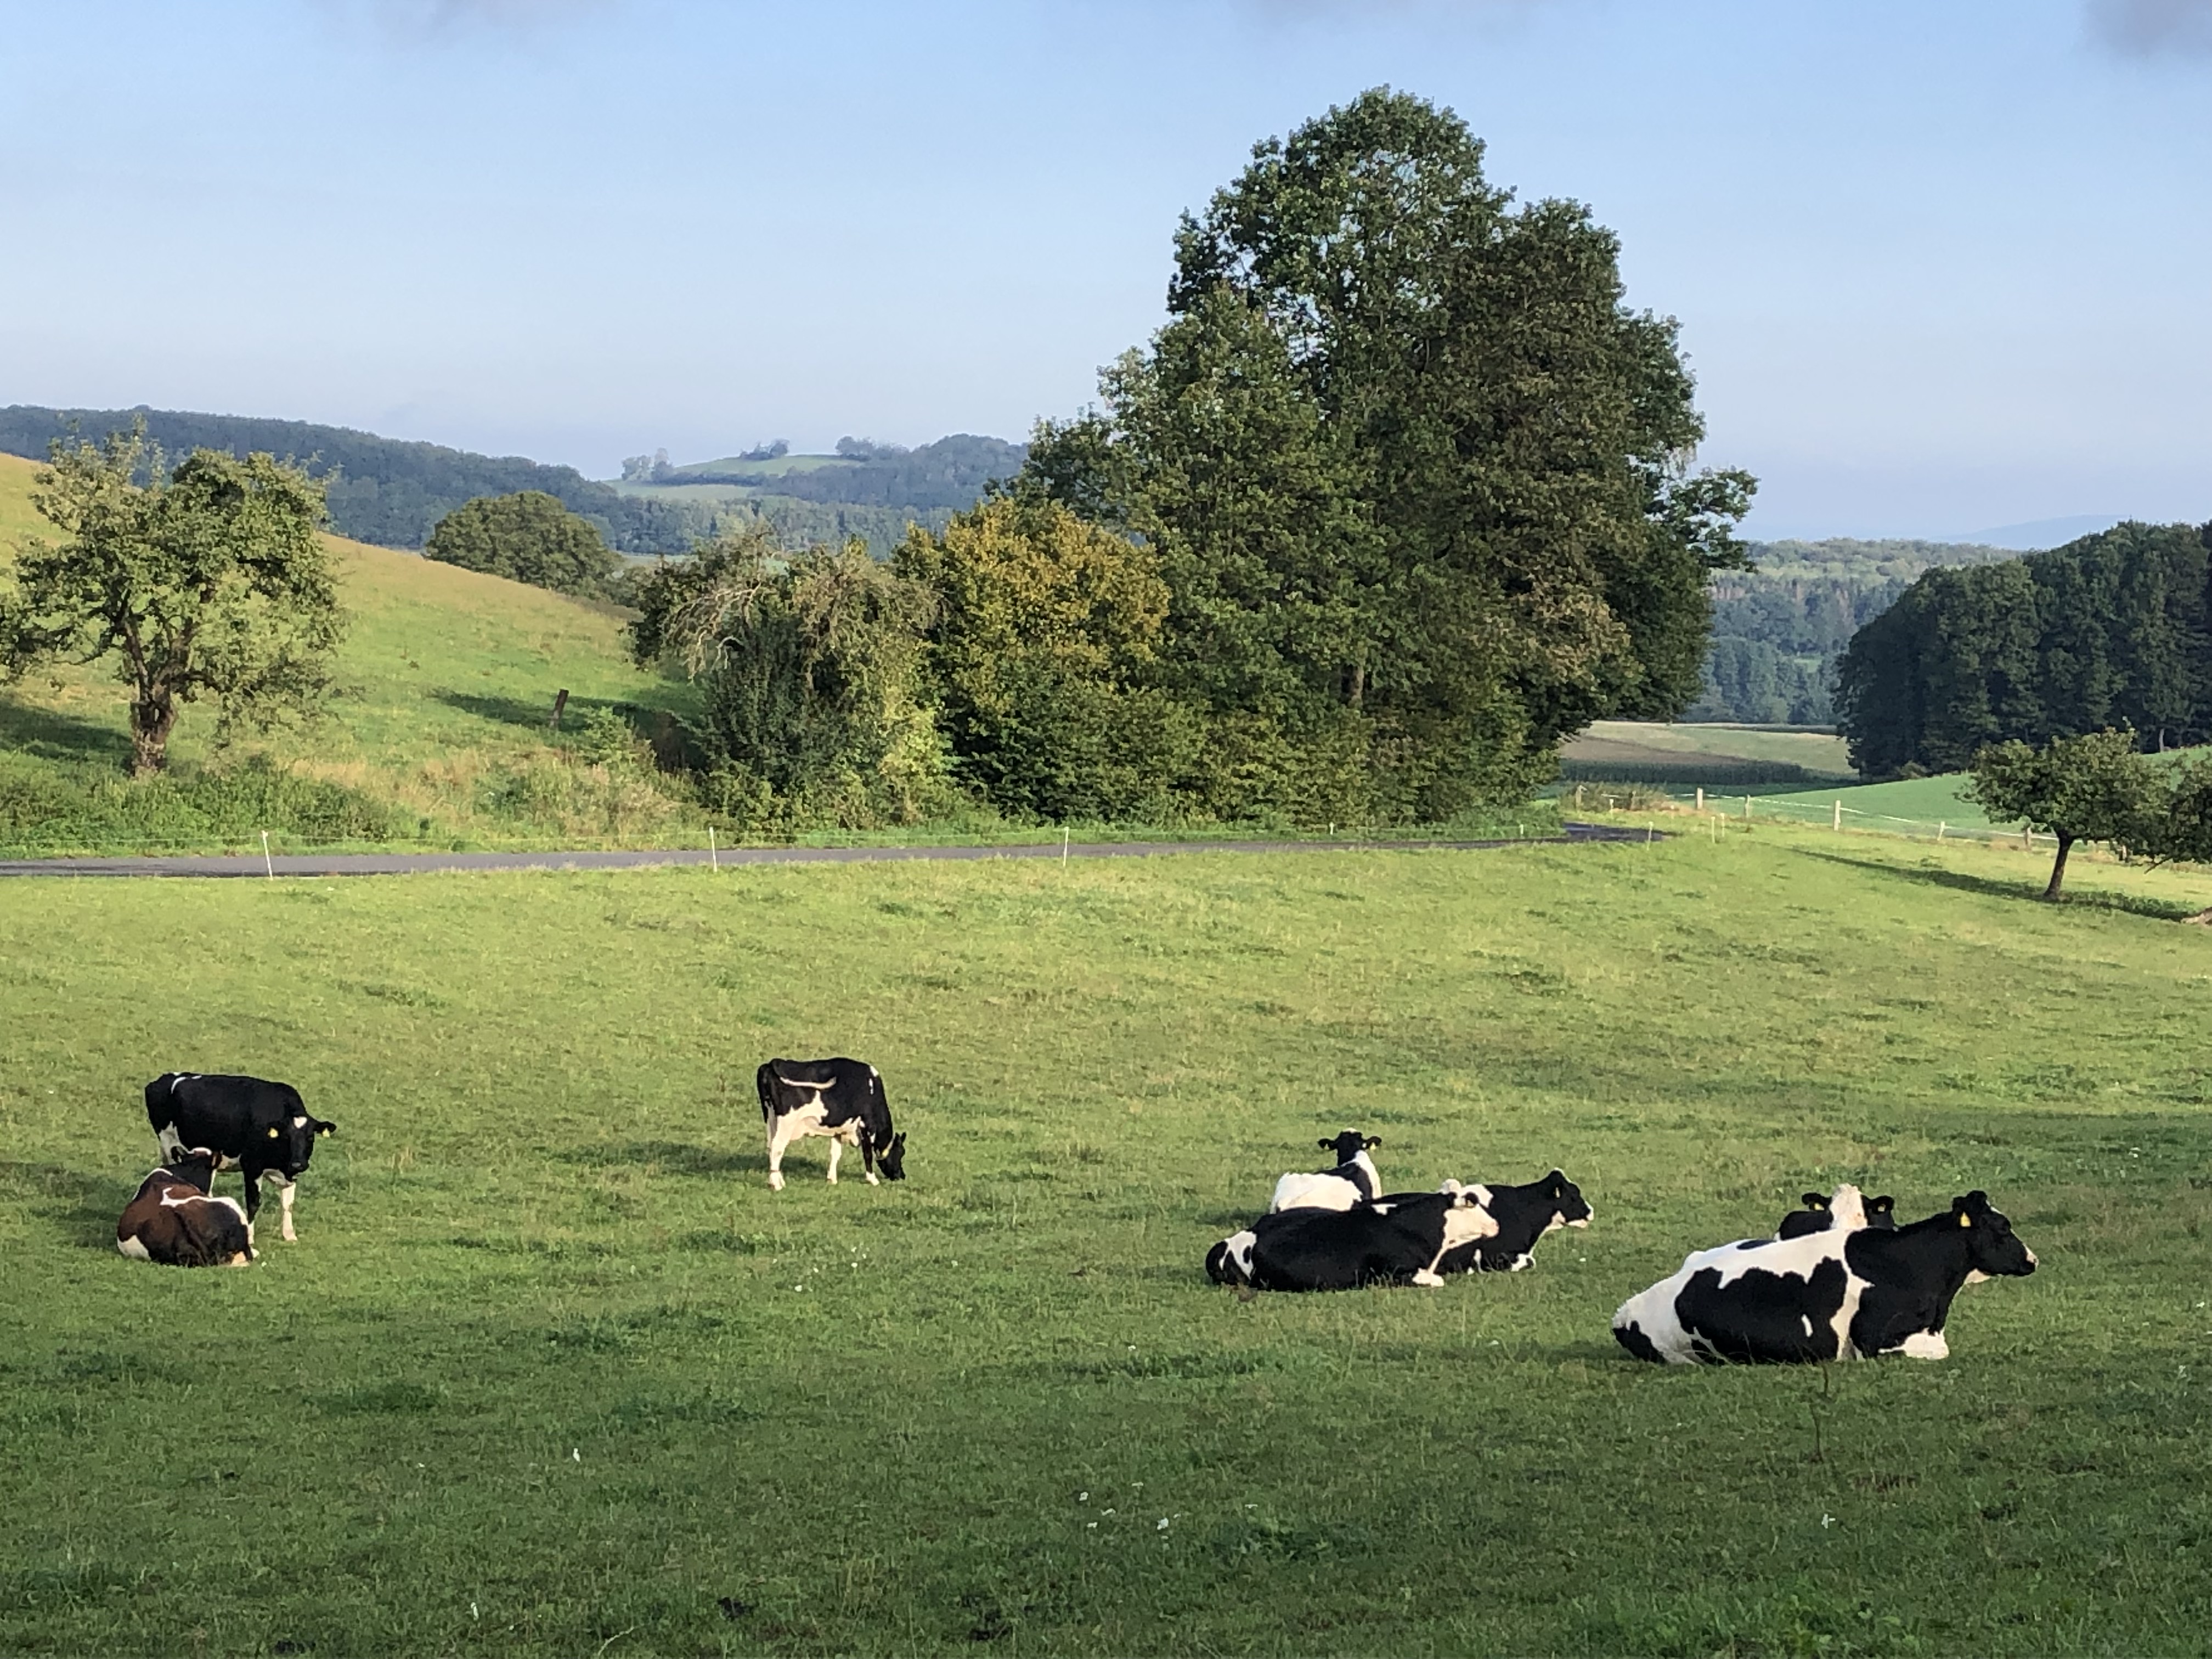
x=550 y=1370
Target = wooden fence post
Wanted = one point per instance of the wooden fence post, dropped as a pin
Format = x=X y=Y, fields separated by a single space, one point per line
x=560 y=707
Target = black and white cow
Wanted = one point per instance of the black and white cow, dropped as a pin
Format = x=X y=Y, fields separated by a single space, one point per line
x=1523 y=1214
x=1353 y=1180
x=174 y=1220
x=1818 y=1215
x=260 y=1128
x=1394 y=1241
x=1842 y=1293
x=843 y=1099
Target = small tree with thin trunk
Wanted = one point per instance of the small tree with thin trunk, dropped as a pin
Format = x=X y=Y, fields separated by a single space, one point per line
x=209 y=582
x=2094 y=787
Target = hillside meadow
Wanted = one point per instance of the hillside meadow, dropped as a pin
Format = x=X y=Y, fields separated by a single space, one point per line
x=549 y=1369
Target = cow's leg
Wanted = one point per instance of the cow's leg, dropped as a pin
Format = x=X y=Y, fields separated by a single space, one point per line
x=252 y=1195
x=168 y=1140
x=284 y=1193
x=868 y=1157
x=837 y=1151
x=775 y=1143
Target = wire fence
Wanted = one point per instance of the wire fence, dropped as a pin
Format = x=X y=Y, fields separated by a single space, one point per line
x=1838 y=815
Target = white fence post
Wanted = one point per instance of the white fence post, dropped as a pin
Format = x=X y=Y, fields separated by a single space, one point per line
x=1837 y=823
x=714 y=858
x=267 y=863
x=1747 y=808
x=1939 y=832
x=1701 y=798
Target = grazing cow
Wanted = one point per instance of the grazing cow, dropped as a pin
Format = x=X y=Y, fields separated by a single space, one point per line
x=175 y=1222
x=1818 y=1215
x=1523 y=1215
x=1842 y=1293
x=260 y=1128
x=1353 y=1180
x=843 y=1099
x=1397 y=1241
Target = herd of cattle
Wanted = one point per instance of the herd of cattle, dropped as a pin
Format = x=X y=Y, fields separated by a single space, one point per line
x=1838 y=1279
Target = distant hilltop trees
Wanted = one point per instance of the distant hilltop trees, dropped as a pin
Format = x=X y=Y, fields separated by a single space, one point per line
x=393 y=493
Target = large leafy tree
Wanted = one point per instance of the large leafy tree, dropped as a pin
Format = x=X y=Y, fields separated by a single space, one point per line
x=1044 y=653
x=527 y=537
x=209 y=580
x=811 y=664
x=1419 y=478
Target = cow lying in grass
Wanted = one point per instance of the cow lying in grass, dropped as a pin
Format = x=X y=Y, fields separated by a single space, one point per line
x=1353 y=1180
x=1523 y=1215
x=174 y=1221
x=1819 y=1214
x=1400 y=1240
x=1845 y=1293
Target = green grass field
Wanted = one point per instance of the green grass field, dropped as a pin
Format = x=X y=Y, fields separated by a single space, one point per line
x=1912 y=802
x=551 y=1371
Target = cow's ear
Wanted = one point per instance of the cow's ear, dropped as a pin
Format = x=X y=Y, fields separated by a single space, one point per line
x=1373 y=1140
x=326 y=1128
x=1324 y=1143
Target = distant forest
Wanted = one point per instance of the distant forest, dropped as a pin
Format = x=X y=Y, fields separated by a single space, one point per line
x=390 y=492
x=2109 y=630
x=1779 y=630
x=947 y=476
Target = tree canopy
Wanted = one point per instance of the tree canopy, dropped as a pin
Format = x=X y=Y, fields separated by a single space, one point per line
x=2113 y=630
x=528 y=536
x=209 y=580
x=1417 y=475
x=2091 y=787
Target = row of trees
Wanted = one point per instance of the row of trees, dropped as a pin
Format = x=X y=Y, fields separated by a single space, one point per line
x=2112 y=630
x=1398 y=497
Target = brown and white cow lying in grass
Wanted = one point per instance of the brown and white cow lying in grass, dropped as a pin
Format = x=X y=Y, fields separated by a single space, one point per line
x=174 y=1221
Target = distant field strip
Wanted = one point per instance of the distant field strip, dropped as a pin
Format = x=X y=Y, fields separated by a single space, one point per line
x=1648 y=752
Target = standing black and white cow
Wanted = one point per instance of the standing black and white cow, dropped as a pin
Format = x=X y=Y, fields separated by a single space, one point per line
x=174 y=1220
x=843 y=1099
x=1523 y=1214
x=1842 y=1293
x=262 y=1128
x=1354 y=1179
x=1397 y=1240
x=1819 y=1214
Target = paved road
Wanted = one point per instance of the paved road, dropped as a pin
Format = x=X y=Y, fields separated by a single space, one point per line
x=403 y=864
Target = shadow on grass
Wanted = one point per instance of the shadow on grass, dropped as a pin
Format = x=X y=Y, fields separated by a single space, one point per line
x=82 y=1207
x=673 y=747
x=2031 y=890
x=669 y=1157
x=50 y=736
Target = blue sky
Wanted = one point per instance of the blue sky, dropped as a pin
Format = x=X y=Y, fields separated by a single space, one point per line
x=1939 y=266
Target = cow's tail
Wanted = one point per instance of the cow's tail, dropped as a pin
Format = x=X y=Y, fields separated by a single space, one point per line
x=764 y=1080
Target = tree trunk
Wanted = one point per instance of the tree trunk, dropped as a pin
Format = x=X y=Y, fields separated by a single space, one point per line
x=151 y=719
x=2058 y=868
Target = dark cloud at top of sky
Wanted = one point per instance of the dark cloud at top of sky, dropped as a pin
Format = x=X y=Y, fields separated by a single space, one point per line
x=2154 y=29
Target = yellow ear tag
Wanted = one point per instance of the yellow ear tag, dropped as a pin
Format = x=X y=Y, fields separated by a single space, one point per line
x=1966 y=1221
x=272 y=1135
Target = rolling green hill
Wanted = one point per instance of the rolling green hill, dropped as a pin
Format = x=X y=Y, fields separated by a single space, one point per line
x=446 y=680
x=1687 y=754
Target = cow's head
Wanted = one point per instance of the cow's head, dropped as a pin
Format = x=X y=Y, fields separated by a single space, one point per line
x=294 y=1140
x=1230 y=1262
x=891 y=1159
x=1993 y=1249
x=195 y=1165
x=1567 y=1201
x=1349 y=1145
x=1882 y=1212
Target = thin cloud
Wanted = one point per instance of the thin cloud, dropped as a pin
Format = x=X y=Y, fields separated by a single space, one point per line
x=2153 y=28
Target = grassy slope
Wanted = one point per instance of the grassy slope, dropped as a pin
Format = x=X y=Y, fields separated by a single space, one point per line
x=550 y=1370
x=1912 y=801
x=444 y=676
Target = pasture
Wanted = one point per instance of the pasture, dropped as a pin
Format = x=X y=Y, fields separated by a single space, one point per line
x=551 y=1371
